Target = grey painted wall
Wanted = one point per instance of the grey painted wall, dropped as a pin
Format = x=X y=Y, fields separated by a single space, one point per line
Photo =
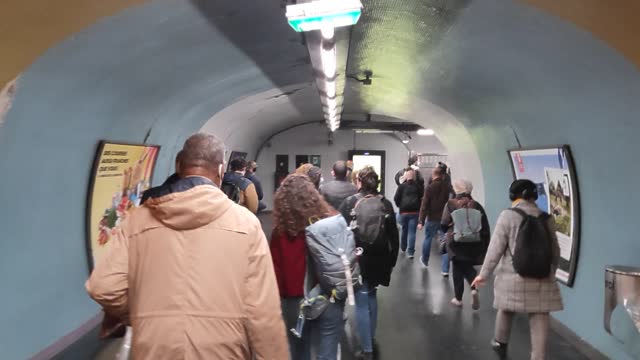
x=312 y=140
x=119 y=80
x=554 y=84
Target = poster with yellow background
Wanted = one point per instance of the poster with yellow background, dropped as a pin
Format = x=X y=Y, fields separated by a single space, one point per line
x=121 y=173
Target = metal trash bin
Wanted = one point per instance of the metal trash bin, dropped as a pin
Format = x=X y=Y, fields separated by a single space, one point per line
x=622 y=287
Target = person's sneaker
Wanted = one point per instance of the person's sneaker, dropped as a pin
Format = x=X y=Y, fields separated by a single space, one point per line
x=403 y=251
x=444 y=274
x=499 y=348
x=410 y=256
x=456 y=302
x=424 y=265
x=475 y=300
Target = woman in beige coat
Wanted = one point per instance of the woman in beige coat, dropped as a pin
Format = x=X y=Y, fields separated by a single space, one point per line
x=512 y=292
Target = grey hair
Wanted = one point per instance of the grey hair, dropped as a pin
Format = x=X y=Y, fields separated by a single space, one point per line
x=202 y=150
x=461 y=186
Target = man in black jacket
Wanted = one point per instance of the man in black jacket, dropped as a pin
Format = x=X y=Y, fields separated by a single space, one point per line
x=335 y=191
x=163 y=189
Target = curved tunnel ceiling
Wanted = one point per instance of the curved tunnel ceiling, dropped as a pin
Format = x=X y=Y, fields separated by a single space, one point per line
x=29 y=28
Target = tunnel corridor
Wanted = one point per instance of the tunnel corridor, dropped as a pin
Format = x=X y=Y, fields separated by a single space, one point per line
x=486 y=76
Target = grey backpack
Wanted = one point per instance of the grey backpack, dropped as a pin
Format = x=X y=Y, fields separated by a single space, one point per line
x=331 y=249
x=368 y=218
x=467 y=224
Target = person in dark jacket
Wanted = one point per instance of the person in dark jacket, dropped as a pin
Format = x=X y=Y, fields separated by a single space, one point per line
x=435 y=197
x=408 y=199
x=248 y=194
x=338 y=189
x=376 y=262
x=252 y=167
x=163 y=189
x=465 y=255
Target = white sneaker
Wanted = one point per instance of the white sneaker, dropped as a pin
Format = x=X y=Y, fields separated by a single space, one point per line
x=410 y=257
x=423 y=264
x=444 y=274
x=475 y=300
x=456 y=302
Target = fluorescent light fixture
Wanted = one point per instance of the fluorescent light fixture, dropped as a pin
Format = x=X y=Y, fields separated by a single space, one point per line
x=332 y=103
x=373 y=131
x=317 y=14
x=426 y=132
x=405 y=141
x=327 y=30
x=329 y=62
x=330 y=88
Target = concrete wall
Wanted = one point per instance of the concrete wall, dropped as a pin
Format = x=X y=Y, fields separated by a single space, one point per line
x=312 y=140
x=553 y=84
x=115 y=82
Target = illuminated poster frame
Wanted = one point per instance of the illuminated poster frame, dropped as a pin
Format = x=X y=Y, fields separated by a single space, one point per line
x=383 y=162
x=121 y=172
x=553 y=170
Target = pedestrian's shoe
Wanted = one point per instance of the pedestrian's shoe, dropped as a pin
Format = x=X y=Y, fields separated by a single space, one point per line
x=410 y=256
x=475 y=300
x=456 y=302
x=424 y=265
x=499 y=348
x=445 y=274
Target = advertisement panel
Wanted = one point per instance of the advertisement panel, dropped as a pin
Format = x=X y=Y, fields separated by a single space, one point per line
x=553 y=171
x=121 y=173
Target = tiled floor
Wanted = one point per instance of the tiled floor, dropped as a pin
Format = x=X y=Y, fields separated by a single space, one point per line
x=416 y=321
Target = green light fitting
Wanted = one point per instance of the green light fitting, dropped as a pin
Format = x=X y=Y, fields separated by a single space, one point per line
x=316 y=14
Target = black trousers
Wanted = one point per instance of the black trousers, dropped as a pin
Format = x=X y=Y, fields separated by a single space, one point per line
x=462 y=270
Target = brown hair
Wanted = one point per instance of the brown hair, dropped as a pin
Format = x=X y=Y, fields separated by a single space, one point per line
x=297 y=202
x=314 y=173
x=368 y=180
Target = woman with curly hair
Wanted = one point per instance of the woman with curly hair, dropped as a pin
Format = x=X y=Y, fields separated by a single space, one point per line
x=295 y=203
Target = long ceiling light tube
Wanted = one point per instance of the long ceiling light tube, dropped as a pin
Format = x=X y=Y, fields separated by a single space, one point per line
x=326 y=16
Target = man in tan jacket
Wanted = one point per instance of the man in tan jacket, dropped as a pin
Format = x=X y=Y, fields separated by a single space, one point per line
x=192 y=272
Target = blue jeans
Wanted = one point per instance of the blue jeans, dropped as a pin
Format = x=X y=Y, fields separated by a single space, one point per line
x=409 y=224
x=431 y=230
x=366 y=315
x=326 y=331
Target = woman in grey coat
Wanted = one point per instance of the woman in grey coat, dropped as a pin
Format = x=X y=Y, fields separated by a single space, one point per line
x=512 y=292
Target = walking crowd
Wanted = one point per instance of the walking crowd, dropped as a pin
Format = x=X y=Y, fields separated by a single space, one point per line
x=193 y=274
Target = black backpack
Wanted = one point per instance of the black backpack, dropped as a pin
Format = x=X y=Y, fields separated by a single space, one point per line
x=411 y=196
x=533 y=254
x=232 y=190
x=368 y=218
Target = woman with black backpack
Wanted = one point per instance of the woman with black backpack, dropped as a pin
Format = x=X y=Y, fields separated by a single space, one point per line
x=372 y=220
x=525 y=280
x=408 y=199
x=466 y=229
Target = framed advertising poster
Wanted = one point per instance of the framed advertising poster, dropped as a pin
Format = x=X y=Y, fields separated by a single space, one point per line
x=552 y=169
x=374 y=158
x=121 y=173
